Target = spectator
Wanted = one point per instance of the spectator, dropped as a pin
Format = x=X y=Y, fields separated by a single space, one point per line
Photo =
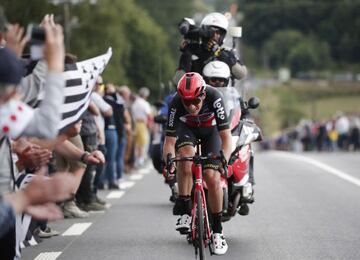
x=106 y=111
x=113 y=127
x=342 y=126
x=141 y=112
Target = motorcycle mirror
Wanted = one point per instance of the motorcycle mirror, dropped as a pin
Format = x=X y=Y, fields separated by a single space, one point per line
x=235 y=31
x=253 y=102
x=158 y=104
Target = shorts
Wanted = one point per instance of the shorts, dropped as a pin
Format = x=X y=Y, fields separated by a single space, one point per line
x=210 y=142
x=141 y=133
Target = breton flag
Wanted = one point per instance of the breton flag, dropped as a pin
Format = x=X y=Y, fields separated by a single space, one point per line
x=80 y=79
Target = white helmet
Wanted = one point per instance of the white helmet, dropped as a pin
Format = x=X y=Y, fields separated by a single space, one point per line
x=216 y=69
x=215 y=19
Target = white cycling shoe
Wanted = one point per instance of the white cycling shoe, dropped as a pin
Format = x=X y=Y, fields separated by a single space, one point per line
x=183 y=224
x=218 y=244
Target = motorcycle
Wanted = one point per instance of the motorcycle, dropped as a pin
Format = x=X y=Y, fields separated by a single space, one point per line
x=237 y=185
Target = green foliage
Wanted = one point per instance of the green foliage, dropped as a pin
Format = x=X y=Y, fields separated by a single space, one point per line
x=278 y=47
x=168 y=14
x=288 y=113
x=309 y=54
x=141 y=49
x=140 y=46
x=336 y=23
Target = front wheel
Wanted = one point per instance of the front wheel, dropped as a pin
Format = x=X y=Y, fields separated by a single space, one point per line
x=199 y=224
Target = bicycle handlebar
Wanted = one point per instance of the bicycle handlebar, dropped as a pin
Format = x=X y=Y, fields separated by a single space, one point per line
x=170 y=160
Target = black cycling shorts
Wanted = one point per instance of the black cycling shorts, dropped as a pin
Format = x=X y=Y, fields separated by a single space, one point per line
x=209 y=139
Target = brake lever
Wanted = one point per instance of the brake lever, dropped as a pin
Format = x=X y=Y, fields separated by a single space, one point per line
x=168 y=164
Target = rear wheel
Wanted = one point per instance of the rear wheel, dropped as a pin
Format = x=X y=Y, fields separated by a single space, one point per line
x=199 y=239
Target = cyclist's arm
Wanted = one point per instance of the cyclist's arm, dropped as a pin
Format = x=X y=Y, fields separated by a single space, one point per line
x=169 y=146
x=171 y=125
x=225 y=136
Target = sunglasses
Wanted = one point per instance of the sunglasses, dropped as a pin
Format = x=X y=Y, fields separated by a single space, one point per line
x=214 y=79
x=195 y=101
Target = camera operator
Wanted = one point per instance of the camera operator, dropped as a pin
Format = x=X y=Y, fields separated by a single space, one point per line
x=202 y=45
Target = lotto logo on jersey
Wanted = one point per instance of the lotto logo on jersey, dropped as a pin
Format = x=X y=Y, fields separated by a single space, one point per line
x=172 y=117
x=220 y=111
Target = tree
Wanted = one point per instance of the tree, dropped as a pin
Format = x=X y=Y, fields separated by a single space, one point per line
x=309 y=54
x=278 y=47
x=141 y=49
x=168 y=14
x=335 y=22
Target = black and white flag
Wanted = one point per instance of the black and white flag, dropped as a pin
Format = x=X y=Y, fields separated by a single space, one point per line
x=80 y=79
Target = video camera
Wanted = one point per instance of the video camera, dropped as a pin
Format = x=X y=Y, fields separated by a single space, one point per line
x=191 y=32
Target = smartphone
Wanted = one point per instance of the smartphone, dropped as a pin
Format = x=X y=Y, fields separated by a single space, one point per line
x=36 y=36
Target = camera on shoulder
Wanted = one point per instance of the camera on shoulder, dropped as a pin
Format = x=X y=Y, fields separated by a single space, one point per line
x=191 y=32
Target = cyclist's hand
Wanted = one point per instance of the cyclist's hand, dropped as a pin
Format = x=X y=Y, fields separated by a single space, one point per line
x=169 y=175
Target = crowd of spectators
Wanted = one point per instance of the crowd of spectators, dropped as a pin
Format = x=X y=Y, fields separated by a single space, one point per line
x=47 y=174
x=339 y=133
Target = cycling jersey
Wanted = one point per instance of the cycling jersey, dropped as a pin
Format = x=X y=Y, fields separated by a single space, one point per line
x=211 y=114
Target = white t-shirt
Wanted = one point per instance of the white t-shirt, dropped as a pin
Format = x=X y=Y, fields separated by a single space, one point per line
x=140 y=109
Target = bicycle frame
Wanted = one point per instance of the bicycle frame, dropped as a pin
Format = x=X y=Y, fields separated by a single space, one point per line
x=197 y=172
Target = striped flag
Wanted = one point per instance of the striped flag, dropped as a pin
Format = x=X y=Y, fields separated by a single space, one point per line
x=80 y=79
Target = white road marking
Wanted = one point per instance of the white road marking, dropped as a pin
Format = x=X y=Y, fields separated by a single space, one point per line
x=48 y=256
x=77 y=229
x=144 y=171
x=343 y=175
x=136 y=177
x=126 y=184
x=115 y=194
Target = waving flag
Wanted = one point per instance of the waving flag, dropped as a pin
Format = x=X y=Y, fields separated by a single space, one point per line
x=80 y=79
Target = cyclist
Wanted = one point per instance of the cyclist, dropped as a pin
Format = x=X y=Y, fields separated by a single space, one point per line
x=197 y=112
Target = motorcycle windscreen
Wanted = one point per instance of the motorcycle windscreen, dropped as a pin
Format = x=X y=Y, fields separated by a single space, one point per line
x=232 y=105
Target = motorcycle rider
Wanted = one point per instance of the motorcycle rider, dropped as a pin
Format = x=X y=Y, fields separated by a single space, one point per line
x=197 y=112
x=195 y=56
x=217 y=74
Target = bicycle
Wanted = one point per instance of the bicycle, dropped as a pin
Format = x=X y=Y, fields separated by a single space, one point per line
x=200 y=226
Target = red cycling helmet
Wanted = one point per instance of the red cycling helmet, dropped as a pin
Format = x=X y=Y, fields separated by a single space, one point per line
x=191 y=85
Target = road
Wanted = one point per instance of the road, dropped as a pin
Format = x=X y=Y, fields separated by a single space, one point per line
x=307 y=207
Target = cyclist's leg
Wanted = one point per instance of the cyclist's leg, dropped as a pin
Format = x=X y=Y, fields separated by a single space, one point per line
x=182 y=207
x=185 y=146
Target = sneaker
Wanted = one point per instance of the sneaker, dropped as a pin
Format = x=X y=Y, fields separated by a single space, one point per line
x=48 y=232
x=244 y=209
x=70 y=210
x=218 y=244
x=183 y=224
x=92 y=206
x=101 y=186
x=114 y=186
x=100 y=201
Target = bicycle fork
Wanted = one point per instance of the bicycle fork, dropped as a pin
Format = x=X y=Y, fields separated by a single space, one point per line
x=198 y=187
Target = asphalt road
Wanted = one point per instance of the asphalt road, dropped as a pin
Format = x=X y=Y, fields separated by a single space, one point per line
x=307 y=207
